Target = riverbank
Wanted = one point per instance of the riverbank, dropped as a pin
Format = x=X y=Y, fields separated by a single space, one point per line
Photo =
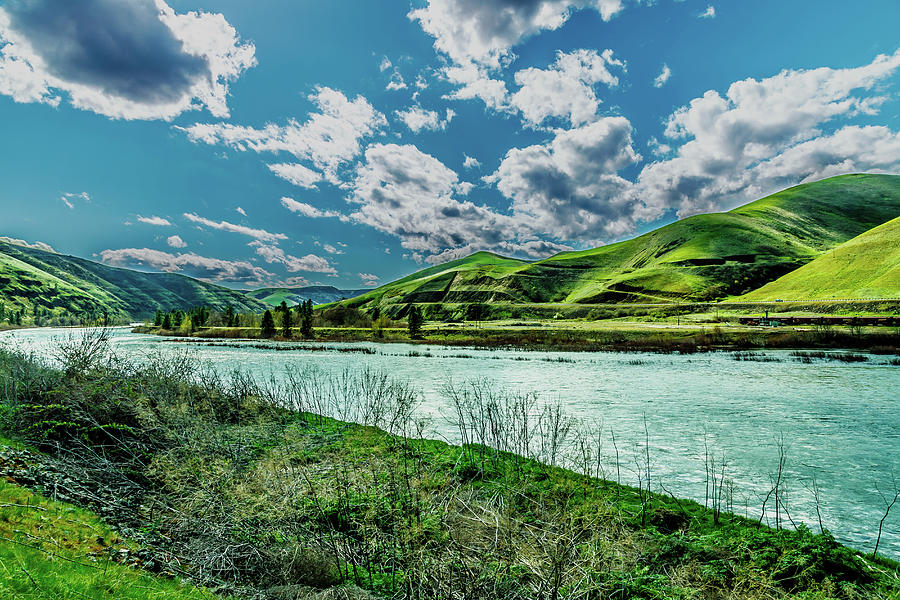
x=241 y=492
x=613 y=336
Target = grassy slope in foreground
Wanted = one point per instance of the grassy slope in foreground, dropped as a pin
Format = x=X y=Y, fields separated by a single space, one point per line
x=698 y=258
x=52 y=550
x=868 y=266
x=30 y=276
x=325 y=503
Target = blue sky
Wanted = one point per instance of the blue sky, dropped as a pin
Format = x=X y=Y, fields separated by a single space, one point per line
x=288 y=142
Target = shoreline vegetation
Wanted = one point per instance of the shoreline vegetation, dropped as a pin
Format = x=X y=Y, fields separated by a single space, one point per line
x=322 y=486
x=622 y=328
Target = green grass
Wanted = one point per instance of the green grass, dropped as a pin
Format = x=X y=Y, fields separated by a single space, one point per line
x=53 y=550
x=328 y=503
x=868 y=266
x=700 y=258
x=67 y=284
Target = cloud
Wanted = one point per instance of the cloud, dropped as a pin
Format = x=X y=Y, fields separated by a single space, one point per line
x=396 y=82
x=308 y=210
x=369 y=280
x=471 y=163
x=709 y=13
x=328 y=139
x=566 y=88
x=331 y=249
x=296 y=282
x=728 y=142
x=475 y=81
x=402 y=191
x=69 y=197
x=663 y=76
x=176 y=241
x=241 y=211
x=417 y=119
x=125 y=60
x=569 y=188
x=154 y=220
x=201 y=267
x=35 y=245
x=385 y=64
x=474 y=31
x=259 y=234
x=411 y=195
x=310 y=262
x=297 y=174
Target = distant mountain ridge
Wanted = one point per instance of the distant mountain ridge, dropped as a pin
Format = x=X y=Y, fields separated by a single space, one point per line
x=319 y=294
x=700 y=258
x=31 y=276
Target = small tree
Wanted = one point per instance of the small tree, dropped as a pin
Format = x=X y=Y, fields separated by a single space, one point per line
x=187 y=325
x=285 y=320
x=414 y=322
x=167 y=321
x=306 y=318
x=229 y=316
x=158 y=319
x=267 y=328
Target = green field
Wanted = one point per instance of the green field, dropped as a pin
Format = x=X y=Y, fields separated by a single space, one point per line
x=700 y=258
x=63 y=284
x=868 y=266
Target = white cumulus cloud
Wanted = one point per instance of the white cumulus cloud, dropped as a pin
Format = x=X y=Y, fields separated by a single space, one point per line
x=724 y=144
x=126 y=60
x=417 y=119
x=328 y=138
x=175 y=241
x=566 y=88
x=310 y=262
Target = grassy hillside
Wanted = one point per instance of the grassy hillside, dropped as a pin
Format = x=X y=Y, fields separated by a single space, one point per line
x=319 y=294
x=700 y=258
x=72 y=285
x=481 y=277
x=868 y=266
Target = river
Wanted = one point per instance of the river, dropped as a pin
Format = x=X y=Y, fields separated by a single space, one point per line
x=840 y=422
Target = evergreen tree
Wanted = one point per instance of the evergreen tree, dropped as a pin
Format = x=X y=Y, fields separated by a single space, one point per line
x=414 y=322
x=167 y=321
x=306 y=318
x=229 y=316
x=285 y=320
x=267 y=329
x=2 y=312
x=158 y=319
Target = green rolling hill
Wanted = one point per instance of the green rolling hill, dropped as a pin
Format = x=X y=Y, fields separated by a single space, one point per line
x=700 y=258
x=868 y=266
x=63 y=284
x=319 y=294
